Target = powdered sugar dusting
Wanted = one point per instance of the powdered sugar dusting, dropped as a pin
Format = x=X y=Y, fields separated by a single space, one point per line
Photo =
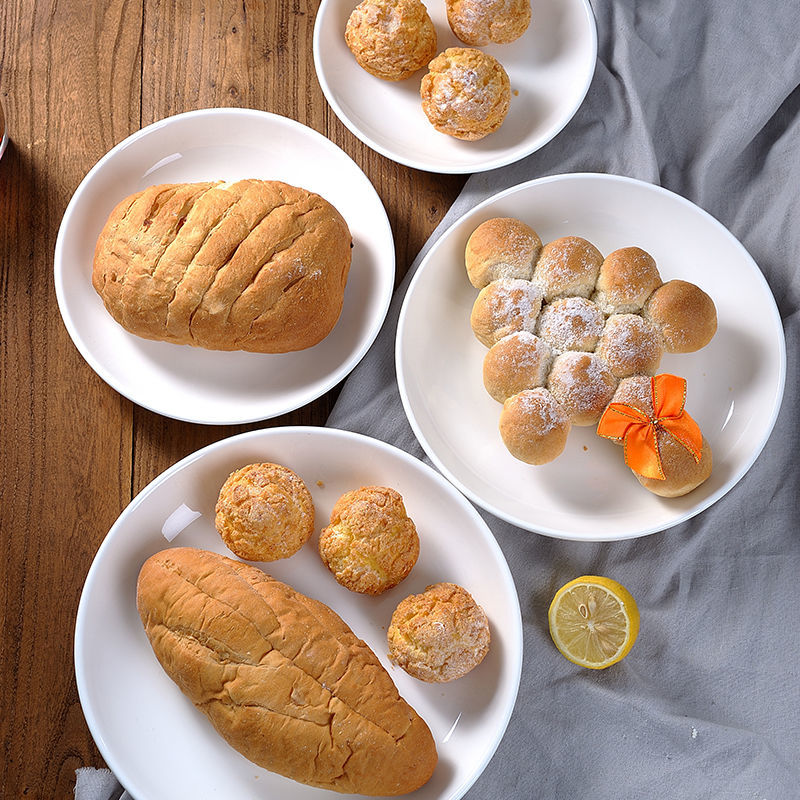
x=572 y=323
x=568 y=266
x=465 y=92
x=541 y=408
x=630 y=345
x=583 y=384
x=518 y=361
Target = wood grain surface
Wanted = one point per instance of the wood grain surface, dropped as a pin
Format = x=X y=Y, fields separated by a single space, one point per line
x=76 y=77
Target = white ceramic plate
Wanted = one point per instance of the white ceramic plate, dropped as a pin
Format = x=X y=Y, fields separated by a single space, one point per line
x=735 y=384
x=550 y=67
x=152 y=737
x=208 y=386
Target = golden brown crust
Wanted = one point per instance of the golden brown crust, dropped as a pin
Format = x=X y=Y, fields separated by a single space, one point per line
x=627 y=278
x=534 y=426
x=254 y=265
x=682 y=473
x=481 y=22
x=503 y=307
x=567 y=267
x=684 y=314
x=518 y=361
x=280 y=676
x=264 y=512
x=371 y=543
x=391 y=39
x=466 y=93
x=503 y=247
x=439 y=635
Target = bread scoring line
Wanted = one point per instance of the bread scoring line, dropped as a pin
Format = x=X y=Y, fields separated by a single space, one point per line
x=174 y=568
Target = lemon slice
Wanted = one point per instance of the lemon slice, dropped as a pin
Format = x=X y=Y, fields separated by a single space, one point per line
x=594 y=621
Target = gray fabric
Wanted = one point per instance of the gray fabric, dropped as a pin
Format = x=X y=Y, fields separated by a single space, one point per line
x=98 y=784
x=701 y=97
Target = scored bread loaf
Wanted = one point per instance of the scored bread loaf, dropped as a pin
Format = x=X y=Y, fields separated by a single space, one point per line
x=280 y=676
x=252 y=265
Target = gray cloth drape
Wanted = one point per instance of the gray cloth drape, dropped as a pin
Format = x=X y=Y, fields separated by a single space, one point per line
x=702 y=97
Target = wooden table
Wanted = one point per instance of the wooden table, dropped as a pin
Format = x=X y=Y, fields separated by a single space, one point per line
x=76 y=77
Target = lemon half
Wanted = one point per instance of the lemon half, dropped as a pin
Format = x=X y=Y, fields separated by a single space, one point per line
x=594 y=621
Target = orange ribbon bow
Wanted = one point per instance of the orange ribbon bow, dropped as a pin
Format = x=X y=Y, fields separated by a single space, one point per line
x=638 y=431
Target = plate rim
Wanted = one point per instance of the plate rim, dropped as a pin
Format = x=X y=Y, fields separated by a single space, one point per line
x=550 y=531
x=110 y=379
x=466 y=169
x=514 y=627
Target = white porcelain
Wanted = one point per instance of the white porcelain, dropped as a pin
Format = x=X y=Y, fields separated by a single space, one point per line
x=208 y=386
x=151 y=736
x=735 y=384
x=550 y=68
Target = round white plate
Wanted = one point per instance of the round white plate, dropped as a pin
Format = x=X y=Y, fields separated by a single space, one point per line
x=735 y=384
x=207 y=386
x=152 y=737
x=550 y=67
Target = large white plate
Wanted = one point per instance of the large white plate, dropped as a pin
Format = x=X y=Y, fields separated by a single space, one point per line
x=550 y=67
x=152 y=737
x=208 y=386
x=735 y=384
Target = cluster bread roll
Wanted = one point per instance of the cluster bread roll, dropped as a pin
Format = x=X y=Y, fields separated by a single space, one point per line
x=565 y=325
x=280 y=676
x=253 y=265
x=682 y=472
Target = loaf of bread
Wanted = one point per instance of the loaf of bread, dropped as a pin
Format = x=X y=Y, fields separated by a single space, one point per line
x=252 y=265
x=280 y=676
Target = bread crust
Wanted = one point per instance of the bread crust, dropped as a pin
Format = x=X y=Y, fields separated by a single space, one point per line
x=503 y=307
x=439 y=635
x=253 y=265
x=566 y=267
x=630 y=345
x=391 y=39
x=264 y=512
x=571 y=323
x=371 y=544
x=280 y=676
x=466 y=93
x=481 y=22
x=583 y=384
x=682 y=473
x=517 y=362
x=684 y=314
x=627 y=278
x=502 y=247
x=534 y=426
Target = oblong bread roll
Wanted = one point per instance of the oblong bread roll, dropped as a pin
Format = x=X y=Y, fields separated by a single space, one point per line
x=252 y=265
x=280 y=676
